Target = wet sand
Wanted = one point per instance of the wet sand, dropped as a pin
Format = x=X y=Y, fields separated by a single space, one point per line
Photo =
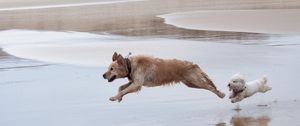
x=279 y=21
x=33 y=3
x=132 y=19
x=54 y=77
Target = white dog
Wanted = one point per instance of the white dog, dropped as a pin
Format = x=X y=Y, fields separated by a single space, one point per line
x=242 y=89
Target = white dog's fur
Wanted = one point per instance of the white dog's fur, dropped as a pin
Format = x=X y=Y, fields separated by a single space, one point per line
x=242 y=89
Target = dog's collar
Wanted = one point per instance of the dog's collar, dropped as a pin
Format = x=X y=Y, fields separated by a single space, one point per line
x=128 y=67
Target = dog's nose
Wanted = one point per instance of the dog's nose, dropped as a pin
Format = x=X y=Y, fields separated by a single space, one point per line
x=228 y=85
x=104 y=76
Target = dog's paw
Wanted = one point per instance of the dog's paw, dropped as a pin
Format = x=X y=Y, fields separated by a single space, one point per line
x=232 y=101
x=222 y=95
x=235 y=100
x=120 y=99
x=113 y=98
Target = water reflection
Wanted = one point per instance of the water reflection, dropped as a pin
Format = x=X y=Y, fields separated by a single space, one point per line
x=250 y=121
x=246 y=120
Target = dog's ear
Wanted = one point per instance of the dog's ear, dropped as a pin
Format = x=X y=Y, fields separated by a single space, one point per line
x=243 y=81
x=120 y=60
x=115 y=56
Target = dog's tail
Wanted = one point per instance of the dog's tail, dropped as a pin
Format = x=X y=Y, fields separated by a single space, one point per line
x=264 y=80
x=265 y=87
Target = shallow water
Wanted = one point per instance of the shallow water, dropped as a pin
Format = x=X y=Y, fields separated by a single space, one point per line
x=66 y=87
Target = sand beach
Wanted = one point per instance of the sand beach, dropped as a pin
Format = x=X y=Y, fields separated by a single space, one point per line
x=53 y=54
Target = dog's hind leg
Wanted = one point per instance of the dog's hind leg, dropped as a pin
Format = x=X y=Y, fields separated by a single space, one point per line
x=201 y=81
x=216 y=91
x=211 y=86
x=207 y=87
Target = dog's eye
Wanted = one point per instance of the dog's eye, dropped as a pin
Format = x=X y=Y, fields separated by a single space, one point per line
x=234 y=81
x=111 y=69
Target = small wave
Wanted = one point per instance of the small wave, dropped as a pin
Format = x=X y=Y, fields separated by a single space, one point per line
x=22 y=67
x=25 y=37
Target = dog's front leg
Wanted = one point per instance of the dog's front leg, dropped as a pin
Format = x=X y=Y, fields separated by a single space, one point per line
x=121 y=88
x=124 y=86
x=238 y=97
x=131 y=88
x=234 y=99
x=232 y=94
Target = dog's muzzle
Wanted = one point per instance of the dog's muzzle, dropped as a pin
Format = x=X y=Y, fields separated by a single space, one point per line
x=229 y=86
x=112 y=78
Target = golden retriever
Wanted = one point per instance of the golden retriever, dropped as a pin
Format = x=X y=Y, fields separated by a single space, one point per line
x=150 y=71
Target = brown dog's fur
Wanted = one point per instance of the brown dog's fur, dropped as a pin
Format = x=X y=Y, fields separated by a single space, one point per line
x=149 y=71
